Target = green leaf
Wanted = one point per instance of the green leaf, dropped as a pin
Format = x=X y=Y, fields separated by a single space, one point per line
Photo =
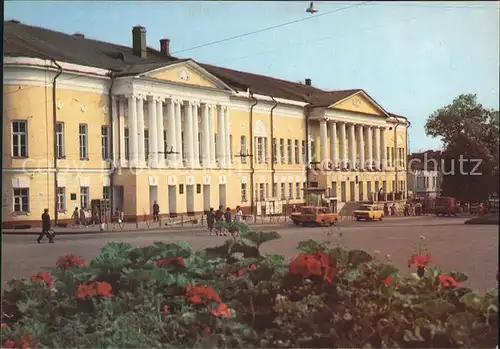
x=311 y=246
x=435 y=271
x=357 y=257
x=387 y=270
x=472 y=301
x=437 y=307
x=340 y=255
x=459 y=276
x=258 y=238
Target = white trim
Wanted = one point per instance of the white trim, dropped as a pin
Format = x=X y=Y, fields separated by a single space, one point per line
x=353 y=118
x=264 y=107
x=35 y=77
x=247 y=95
x=51 y=170
x=38 y=62
x=367 y=97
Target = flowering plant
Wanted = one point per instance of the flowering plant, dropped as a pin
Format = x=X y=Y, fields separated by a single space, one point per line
x=167 y=295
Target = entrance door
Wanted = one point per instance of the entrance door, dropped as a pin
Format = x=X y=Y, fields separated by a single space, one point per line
x=361 y=191
x=117 y=193
x=172 y=199
x=206 y=197
x=352 y=188
x=222 y=195
x=153 y=196
x=190 y=198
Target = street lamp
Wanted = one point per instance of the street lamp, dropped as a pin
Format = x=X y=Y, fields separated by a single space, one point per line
x=311 y=9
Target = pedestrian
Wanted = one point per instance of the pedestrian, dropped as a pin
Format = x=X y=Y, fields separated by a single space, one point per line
x=46 y=227
x=386 y=209
x=83 y=219
x=219 y=218
x=238 y=217
x=210 y=220
x=75 y=217
x=156 y=212
x=227 y=215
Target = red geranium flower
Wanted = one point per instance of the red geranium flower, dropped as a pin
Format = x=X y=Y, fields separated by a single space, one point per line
x=388 y=282
x=96 y=288
x=177 y=261
x=319 y=264
x=253 y=267
x=419 y=261
x=24 y=343
x=9 y=343
x=43 y=276
x=69 y=261
x=201 y=294
x=447 y=280
x=221 y=310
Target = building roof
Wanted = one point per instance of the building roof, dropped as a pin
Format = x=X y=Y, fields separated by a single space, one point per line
x=21 y=40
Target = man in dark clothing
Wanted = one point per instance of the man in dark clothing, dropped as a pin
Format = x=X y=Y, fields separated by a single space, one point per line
x=156 y=212
x=210 y=220
x=219 y=217
x=46 y=227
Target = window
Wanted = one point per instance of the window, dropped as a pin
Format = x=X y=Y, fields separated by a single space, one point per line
x=266 y=190
x=106 y=193
x=61 y=199
x=259 y=150
x=83 y=137
x=334 y=189
x=304 y=157
x=290 y=191
x=297 y=190
x=20 y=138
x=146 y=144
x=198 y=188
x=243 y=192
x=297 y=152
x=60 y=140
x=313 y=150
x=181 y=188
x=266 y=152
x=273 y=151
x=243 y=144
x=127 y=144
x=283 y=191
x=21 y=199
x=105 y=142
x=275 y=190
x=84 y=197
x=282 y=150
x=389 y=156
x=393 y=162
x=262 y=189
x=289 y=150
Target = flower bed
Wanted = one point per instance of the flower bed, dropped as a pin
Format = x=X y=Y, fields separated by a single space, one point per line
x=169 y=296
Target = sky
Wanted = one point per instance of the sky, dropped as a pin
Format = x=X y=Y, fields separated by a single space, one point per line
x=411 y=57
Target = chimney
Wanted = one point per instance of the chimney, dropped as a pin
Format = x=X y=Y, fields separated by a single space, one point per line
x=139 y=41
x=165 y=46
x=79 y=35
x=308 y=82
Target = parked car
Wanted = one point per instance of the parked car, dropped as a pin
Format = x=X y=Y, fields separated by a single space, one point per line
x=368 y=212
x=314 y=216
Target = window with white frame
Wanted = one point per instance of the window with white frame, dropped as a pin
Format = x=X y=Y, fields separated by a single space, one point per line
x=106 y=193
x=243 y=192
x=243 y=151
x=303 y=152
x=83 y=138
x=297 y=152
x=290 y=151
x=275 y=190
x=21 y=199
x=20 y=138
x=283 y=191
x=260 y=149
x=298 y=190
x=274 y=155
x=262 y=190
x=290 y=191
x=61 y=199
x=282 y=150
x=60 y=140
x=266 y=150
x=127 y=144
x=313 y=151
x=105 y=142
x=146 y=144
x=84 y=197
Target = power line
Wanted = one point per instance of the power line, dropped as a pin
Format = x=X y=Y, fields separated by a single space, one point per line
x=270 y=28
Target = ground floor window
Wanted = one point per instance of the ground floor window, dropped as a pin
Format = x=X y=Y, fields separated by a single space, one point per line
x=21 y=199
x=84 y=198
x=290 y=191
x=61 y=199
x=243 y=192
x=262 y=189
x=106 y=193
x=297 y=190
x=283 y=191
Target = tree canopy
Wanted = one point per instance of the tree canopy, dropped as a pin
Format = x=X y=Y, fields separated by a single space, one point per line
x=470 y=130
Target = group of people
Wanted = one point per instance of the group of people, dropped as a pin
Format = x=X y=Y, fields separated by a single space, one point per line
x=222 y=215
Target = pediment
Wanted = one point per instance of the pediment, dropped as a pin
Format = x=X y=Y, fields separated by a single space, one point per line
x=189 y=73
x=362 y=103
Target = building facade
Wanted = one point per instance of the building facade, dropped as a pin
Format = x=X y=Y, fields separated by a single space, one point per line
x=425 y=174
x=85 y=119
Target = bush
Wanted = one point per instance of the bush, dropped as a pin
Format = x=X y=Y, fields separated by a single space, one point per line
x=169 y=296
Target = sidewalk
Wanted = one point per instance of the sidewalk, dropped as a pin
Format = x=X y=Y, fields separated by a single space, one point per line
x=133 y=227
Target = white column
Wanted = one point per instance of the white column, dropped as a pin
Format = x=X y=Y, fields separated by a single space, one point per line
x=383 y=148
x=205 y=136
x=323 y=140
x=172 y=134
x=132 y=131
x=153 y=133
x=333 y=144
x=115 y=128
x=140 y=131
x=343 y=146
x=352 y=152
x=188 y=134
x=196 y=139
x=161 y=128
x=227 y=126
x=221 y=139
x=121 y=119
x=361 y=148
x=369 y=147
x=376 y=148
x=178 y=135
x=211 y=134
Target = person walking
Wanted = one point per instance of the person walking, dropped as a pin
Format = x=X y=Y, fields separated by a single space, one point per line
x=156 y=212
x=219 y=217
x=75 y=217
x=45 y=227
x=210 y=220
x=83 y=219
x=238 y=217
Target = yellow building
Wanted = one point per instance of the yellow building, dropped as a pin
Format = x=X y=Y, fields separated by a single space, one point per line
x=86 y=119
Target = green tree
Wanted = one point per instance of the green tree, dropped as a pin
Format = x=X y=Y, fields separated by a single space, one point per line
x=471 y=131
